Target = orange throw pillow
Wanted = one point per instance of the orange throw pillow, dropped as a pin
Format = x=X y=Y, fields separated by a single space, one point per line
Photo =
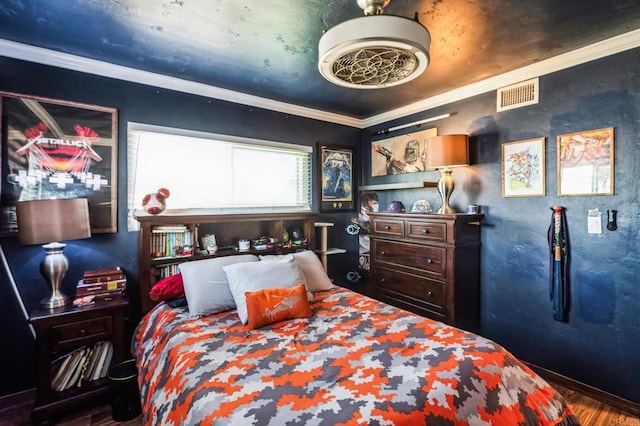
x=276 y=304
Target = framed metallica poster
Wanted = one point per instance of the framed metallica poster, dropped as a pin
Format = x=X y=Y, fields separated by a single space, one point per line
x=58 y=149
x=336 y=178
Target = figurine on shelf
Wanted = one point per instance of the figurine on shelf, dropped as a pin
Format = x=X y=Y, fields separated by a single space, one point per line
x=155 y=203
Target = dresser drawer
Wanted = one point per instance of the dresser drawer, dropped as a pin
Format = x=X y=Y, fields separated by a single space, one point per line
x=388 y=227
x=431 y=260
x=410 y=289
x=427 y=231
x=92 y=329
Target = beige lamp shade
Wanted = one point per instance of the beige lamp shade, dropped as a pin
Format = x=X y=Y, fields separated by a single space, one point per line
x=447 y=151
x=45 y=221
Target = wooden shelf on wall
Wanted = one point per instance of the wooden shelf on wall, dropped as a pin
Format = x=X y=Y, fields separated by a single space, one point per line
x=403 y=185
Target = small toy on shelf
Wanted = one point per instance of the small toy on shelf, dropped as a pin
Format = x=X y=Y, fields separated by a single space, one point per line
x=156 y=203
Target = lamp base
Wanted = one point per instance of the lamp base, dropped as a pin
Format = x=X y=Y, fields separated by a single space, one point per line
x=53 y=268
x=445 y=188
x=54 y=301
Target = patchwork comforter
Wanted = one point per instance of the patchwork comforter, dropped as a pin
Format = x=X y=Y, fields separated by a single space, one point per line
x=354 y=361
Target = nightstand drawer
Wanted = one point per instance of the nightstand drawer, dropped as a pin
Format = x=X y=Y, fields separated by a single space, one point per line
x=409 y=288
x=389 y=228
x=428 y=231
x=95 y=328
x=429 y=259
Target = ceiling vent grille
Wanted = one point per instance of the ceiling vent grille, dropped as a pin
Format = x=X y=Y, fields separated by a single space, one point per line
x=518 y=95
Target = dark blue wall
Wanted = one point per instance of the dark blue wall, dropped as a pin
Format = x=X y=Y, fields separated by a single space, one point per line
x=135 y=103
x=600 y=343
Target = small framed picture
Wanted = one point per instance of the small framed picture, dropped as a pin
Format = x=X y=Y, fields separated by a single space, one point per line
x=335 y=165
x=585 y=163
x=523 y=168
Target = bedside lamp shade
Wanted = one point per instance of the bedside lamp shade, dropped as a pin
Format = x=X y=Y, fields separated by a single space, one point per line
x=51 y=221
x=443 y=153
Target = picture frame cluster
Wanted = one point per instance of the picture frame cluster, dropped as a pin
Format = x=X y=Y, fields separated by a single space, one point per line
x=585 y=165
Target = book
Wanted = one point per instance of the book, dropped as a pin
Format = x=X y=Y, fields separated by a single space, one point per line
x=108 y=295
x=99 y=366
x=84 y=289
x=77 y=369
x=103 y=278
x=169 y=228
x=84 y=366
x=91 y=361
x=95 y=357
x=71 y=368
x=60 y=367
x=101 y=272
x=107 y=361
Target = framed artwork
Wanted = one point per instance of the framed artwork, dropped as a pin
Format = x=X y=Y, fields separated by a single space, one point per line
x=335 y=164
x=586 y=163
x=523 y=168
x=400 y=154
x=58 y=149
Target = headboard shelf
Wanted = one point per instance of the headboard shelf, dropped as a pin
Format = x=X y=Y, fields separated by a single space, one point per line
x=167 y=240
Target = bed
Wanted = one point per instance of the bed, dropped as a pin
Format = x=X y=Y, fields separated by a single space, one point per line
x=354 y=360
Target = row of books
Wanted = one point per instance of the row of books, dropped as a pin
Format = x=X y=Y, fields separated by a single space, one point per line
x=85 y=364
x=102 y=282
x=171 y=241
x=167 y=271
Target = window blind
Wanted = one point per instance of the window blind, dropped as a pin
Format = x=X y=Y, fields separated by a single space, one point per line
x=222 y=174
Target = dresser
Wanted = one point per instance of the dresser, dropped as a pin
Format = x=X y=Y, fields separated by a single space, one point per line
x=428 y=264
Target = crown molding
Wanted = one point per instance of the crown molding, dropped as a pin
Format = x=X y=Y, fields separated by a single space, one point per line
x=599 y=50
x=104 y=69
x=611 y=46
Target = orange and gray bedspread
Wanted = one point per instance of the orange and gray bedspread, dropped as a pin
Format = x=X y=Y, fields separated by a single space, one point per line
x=354 y=361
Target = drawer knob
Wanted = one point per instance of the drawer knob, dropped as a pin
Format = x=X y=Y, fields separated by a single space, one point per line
x=83 y=332
x=382 y=253
x=424 y=231
x=430 y=293
x=387 y=227
x=381 y=280
x=429 y=261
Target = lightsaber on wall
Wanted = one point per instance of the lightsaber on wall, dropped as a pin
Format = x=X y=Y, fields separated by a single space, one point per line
x=559 y=255
x=15 y=290
x=415 y=123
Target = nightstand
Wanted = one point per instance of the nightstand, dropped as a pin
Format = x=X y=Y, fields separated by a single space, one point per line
x=63 y=330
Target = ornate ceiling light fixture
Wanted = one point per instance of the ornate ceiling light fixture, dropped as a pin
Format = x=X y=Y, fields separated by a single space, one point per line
x=374 y=51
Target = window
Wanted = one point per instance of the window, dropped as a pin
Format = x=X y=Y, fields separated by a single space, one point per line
x=222 y=174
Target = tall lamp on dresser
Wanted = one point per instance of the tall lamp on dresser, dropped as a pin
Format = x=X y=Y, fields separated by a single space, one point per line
x=444 y=153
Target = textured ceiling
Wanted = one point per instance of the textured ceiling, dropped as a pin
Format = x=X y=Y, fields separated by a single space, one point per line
x=268 y=48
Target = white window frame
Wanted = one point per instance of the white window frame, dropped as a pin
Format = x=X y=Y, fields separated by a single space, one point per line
x=134 y=197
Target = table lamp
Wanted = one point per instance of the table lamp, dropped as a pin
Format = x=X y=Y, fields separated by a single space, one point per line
x=51 y=221
x=443 y=153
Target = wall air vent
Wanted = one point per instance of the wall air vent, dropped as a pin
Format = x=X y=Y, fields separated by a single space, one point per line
x=518 y=95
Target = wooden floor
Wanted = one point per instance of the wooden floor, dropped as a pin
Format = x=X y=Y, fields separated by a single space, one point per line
x=594 y=413
x=589 y=411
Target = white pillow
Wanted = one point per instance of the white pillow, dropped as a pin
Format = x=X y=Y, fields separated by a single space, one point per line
x=311 y=267
x=257 y=276
x=206 y=286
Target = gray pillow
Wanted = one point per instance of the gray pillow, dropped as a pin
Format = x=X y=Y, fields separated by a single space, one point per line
x=260 y=275
x=311 y=267
x=206 y=286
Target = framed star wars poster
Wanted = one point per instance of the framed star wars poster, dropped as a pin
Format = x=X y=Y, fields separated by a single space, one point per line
x=58 y=149
x=401 y=154
x=336 y=178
